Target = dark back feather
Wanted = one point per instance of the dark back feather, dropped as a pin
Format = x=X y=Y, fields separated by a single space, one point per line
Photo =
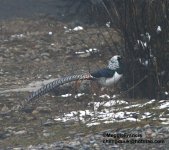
x=105 y=72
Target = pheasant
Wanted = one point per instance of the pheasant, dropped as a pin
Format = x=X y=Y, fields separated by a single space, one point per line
x=105 y=77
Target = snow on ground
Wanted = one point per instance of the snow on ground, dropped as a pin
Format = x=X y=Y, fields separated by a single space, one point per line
x=164 y=105
x=88 y=52
x=78 y=28
x=109 y=110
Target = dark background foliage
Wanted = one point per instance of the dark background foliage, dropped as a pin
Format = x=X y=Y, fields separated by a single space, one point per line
x=146 y=54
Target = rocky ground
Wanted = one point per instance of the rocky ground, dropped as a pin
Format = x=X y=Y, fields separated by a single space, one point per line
x=41 y=49
x=154 y=136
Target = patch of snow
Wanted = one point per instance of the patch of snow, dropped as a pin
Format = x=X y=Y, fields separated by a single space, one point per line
x=79 y=95
x=78 y=28
x=18 y=36
x=166 y=93
x=143 y=62
x=132 y=106
x=88 y=51
x=93 y=124
x=58 y=119
x=114 y=96
x=150 y=102
x=50 y=33
x=92 y=50
x=67 y=29
x=80 y=52
x=138 y=41
x=165 y=123
x=162 y=101
x=109 y=103
x=143 y=44
x=164 y=105
x=131 y=119
x=159 y=29
x=148 y=36
x=147 y=113
x=108 y=24
x=119 y=115
x=66 y=95
x=105 y=96
x=162 y=119
x=106 y=115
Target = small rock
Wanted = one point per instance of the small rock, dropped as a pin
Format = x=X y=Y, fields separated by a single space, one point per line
x=80 y=134
x=20 y=132
x=47 y=76
x=29 y=118
x=48 y=123
x=3 y=135
x=46 y=134
x=37 y=59
x=147 y=126
x=97 y=136
x=45 y=54
x=43 y=109
x=4 y=109
x=96 y=146
x=1 y=59
x=27 y=109
x=10 y=128
x=84 y=55
x=70 y=122
x=92 y=141
x=27 y=55
x=148 y=133
x=115 y=146
x=74 y=143
x=34 y=112
x=67 y=138
x=72 y=132
x=164 y=129
x=45 y=57
x=18 y=148
x=85 y=147
x=23 y=56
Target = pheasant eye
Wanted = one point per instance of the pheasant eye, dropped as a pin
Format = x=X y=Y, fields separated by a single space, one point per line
x=119 y=58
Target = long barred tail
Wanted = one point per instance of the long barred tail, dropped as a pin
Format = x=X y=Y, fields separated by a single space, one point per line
x=56 y=83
